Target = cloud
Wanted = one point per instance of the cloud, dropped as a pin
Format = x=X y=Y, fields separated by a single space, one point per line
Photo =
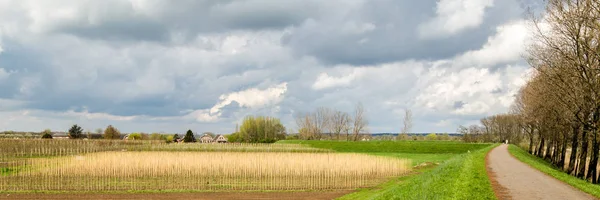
x=508 y=45
x=325 y=81
x=251 y=98
x=160 y=20
x=479 y=91
x=454 y=16
x=165 y=66
x=96 y=116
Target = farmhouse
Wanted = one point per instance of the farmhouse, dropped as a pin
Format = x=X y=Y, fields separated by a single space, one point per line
x=220 y=139
x=206 y=138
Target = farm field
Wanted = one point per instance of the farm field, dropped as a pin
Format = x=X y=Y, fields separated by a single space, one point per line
x=143 y=167
x=202 y=171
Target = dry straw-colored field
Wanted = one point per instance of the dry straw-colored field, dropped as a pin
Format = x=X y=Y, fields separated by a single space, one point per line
x=198 y=171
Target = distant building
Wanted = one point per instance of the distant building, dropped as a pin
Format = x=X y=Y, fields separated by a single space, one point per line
x=206 y=138
x=220 y=139
x=60 y=135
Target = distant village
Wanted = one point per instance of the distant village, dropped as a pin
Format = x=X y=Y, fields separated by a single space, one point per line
x=203 y=138
x=206 y=137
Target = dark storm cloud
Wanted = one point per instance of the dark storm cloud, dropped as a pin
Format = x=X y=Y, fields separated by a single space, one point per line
x=394 y=36
x=161 y=20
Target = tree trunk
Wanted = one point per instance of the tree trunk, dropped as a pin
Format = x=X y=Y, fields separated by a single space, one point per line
x=531 y=134
x=583 y=154
x=592 y=167
x=554 y=156
x=547 y=155
x=574 y=146
x=563 y=153
x=540 y=148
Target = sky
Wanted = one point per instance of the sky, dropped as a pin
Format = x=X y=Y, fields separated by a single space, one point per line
x=169 y=66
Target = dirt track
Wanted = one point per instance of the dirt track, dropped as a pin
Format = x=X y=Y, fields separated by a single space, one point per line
x=513 y=179
x=173 y=196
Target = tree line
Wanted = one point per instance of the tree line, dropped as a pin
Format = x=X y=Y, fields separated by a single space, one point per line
x=557 y=112
x=111 y=133
x=341 y=125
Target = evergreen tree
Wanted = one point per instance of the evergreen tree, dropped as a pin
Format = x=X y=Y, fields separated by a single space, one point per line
x=75 y=132
x=189 y=137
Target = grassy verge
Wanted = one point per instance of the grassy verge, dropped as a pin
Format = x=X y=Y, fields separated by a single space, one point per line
x=549 y=169
x=462 y=177
x=418 y=158
x=432 y=147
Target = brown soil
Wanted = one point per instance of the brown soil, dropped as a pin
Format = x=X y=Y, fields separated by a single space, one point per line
x=513 y=179
x=500 y=191
x=173 y=196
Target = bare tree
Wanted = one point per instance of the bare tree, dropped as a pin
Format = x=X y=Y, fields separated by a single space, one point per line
x=305 y=126
x=360 y=122
x=312 y=125
x=321 y=118
x=339 y=122
x=407 y=122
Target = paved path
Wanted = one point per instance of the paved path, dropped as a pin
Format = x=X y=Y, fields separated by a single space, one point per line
x=513 y=179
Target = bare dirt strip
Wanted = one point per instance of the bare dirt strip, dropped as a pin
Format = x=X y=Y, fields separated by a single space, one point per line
x=174 y=196
x=513 y=179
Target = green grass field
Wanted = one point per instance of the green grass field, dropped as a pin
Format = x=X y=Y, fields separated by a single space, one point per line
x=461 y=177
x=418 y=158
x=412 y=147
x=551 y=170
x=461 y=174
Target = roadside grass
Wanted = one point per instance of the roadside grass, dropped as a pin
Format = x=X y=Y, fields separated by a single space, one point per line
x=548 y=168
x=418 y=158
x=412 y=147
x=462 y=177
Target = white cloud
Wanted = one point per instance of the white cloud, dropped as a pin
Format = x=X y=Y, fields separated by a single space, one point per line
x=454 y=16
x=325 y=81
x=471 y=91
x=506 y=46
x=204 y=115
x=250 y=98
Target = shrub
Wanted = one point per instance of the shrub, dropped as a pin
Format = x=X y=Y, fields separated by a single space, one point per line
x=156 y=136
x=47 y=134
x=134 y=136
x=431 y=136
x=111 y=133
x=75 y=132
x=169 y=139
x=261 y=130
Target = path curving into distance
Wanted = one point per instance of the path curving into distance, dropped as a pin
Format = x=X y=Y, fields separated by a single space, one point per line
x=513 y=179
